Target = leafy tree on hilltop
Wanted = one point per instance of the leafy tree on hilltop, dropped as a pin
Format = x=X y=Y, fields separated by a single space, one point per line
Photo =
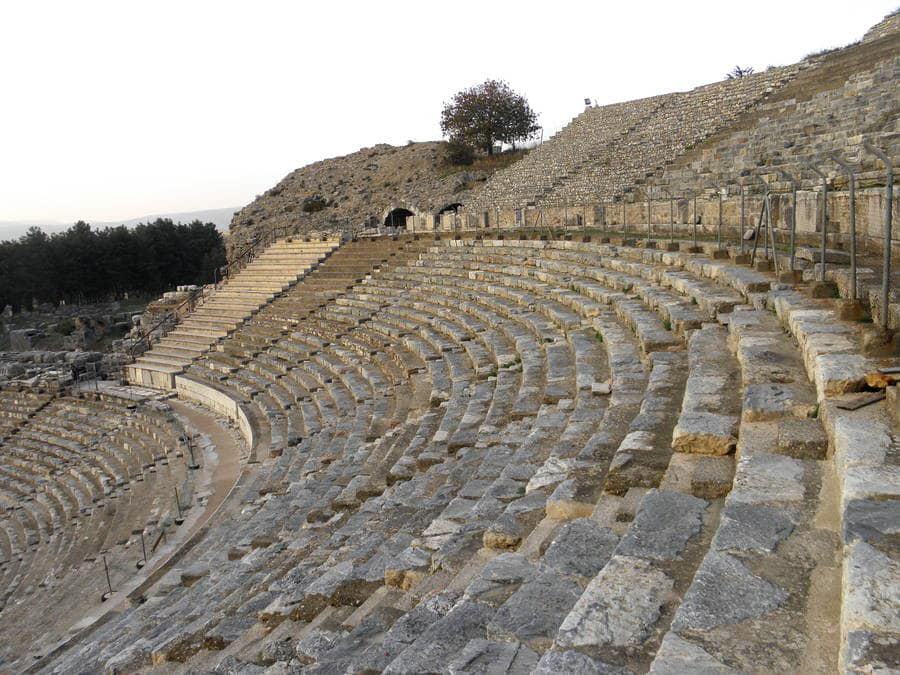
x=738 y=72
x=488 y=113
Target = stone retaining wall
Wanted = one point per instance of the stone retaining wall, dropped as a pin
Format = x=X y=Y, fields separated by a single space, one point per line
x=217 y=401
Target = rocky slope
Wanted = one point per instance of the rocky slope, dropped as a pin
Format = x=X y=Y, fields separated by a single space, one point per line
x=357 y=189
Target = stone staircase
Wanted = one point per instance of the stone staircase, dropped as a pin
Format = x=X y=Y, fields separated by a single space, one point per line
x=226 y=307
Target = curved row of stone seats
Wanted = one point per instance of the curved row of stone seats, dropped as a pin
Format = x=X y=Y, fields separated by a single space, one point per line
x=460 y=371
x=796 y=436
x=847 y=95
x=611 y=146
x=17 y=406
x=651 y=511
x=549 y=163
x=348 y=265
x=683 y=122
x=456 y=509
x=286 y=384
x=228 y=306
x=768 y=521
x=78 y=479
x=375 y=586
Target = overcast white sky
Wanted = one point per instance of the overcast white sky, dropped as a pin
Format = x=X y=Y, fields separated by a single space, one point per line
x=111 y=110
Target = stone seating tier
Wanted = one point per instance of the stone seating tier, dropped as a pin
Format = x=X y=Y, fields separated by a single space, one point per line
x=548 y=455
x=77 y=480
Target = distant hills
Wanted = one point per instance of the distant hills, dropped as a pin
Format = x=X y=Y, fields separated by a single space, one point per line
x=12 y=229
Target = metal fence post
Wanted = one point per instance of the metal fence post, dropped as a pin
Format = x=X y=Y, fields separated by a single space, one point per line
x=695 y=220
x=852 y=178
x=719 y=226
x=743 y=221
x=888 y=218
x=106 y=596
x=671 y=214
x=793 y=231
x=812 y=167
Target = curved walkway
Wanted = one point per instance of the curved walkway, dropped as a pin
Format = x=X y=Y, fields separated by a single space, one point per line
x=220 y=471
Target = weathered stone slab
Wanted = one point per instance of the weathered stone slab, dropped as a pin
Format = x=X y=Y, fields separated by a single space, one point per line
x=705 y=433
x=483 y=657
x=500 y=578
x=704 y=476
x=725 y=592
x=868 y=652
x=752 y=527
x=576 y=496
x=663 y=526
x=871 y=587
x=871 y=520
x=312 y=646
x=574 y=663
x=619 y=607
x=533 y=613
x=405 y=630
x=764 y=402
x=677 y=656
x=552 y=472
x=838 y=374
x=765 y=477
x=443 y=640
x=580 y=547
x=405 y=570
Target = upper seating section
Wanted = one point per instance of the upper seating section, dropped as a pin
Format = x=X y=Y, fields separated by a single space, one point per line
x=719 y=134
x=566 y=152
x=603 y=150
x=842 y=98
x=683 y=122
x=226 y=307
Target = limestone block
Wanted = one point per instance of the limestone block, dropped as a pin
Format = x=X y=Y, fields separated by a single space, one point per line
x=725 y=592
x=619 y=607
x=677 y=656
x=663 y=525
x=705 y=433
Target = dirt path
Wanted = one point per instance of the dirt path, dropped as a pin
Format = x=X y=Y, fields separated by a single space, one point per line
x=229 y=454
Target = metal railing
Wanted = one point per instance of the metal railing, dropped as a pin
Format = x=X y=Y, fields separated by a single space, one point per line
x=172 y=316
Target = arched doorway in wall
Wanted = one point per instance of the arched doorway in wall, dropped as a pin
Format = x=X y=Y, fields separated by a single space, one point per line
x=450 y=208
x=446 y=217
x=397 y=217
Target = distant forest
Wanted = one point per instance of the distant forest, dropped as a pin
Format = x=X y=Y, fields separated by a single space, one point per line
x=84 y=265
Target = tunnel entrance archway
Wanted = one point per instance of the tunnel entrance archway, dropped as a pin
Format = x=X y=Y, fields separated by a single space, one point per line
x=397 y=217
x=450 y=208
